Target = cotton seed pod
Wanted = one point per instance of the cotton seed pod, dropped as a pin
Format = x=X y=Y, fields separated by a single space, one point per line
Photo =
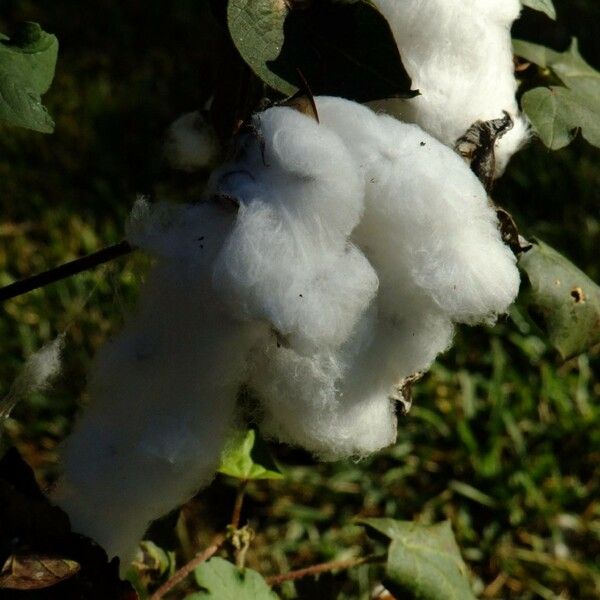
x=434 y=243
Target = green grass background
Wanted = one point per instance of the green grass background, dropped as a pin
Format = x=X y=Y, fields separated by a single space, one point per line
x=503 y=438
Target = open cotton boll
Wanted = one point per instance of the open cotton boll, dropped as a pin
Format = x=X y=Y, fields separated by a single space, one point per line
x=191 y=143
x=458 y=54
x=39 y=369
x=162 y=399
x=428 y=229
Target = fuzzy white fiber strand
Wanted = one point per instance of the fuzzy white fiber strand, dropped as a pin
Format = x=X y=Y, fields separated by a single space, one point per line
x=37 y=372
x=458 y=54
x=162 y=393
x=191 y=143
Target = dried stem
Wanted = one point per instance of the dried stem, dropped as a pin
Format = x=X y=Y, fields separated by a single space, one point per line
x=217 y=542
x=78 y=265
x=335 y=565
x=182 y=573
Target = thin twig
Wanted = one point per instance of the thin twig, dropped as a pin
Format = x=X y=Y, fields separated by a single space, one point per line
x=237 y=507
x=182 y=573
x=217 y=542
x=73 y=267
x=335 y=565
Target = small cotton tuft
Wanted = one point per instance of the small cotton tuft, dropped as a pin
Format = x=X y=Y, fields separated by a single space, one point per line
x=191 y=143
x=35 y=375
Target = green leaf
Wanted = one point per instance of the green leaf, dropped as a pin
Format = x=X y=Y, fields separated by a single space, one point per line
x=27 y=64
x=567 y=300
x=340 y=47
x=246 y=457
x=154 y=559
x=423 y=560
x=545 y=6
x=558 y=112
x=222 y=580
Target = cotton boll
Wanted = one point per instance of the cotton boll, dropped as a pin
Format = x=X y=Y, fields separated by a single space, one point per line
x=163 y=396
x=428 y=228
x=431 y=240
x=191 y=143
x=459 y=56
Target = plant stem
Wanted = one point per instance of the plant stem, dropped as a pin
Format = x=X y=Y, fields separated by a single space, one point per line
x=237 y=507
x=335 y=565
x=182 y=573
x=69 y=269
x=217 y=542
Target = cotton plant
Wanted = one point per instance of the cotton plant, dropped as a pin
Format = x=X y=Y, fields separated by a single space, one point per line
x=329 y=260
x=325 y=264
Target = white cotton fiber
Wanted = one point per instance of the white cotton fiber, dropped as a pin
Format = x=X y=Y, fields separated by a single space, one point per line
x=303 y=405
x=432 y=241
x=458 y=54
x=428 y=228
x=162 y=393
x=280 y=272
x=288 y=261
x=191 y=143
x=432 y=237
x=338 y=403
x=37 y=372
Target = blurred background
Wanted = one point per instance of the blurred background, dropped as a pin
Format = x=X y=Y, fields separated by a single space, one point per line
x=503 y=437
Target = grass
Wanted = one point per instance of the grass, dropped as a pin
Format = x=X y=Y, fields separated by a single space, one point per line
x=503 y=438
